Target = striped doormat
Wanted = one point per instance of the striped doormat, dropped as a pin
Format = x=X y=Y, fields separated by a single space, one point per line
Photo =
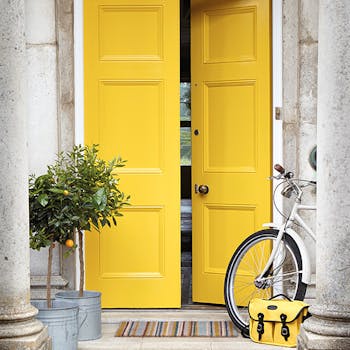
x=176 y=329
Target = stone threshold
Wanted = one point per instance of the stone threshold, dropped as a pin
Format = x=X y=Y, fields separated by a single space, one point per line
x=111 y=318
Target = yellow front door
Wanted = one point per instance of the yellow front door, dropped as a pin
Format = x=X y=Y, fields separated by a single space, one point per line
x=131 y=57
x=231 y=137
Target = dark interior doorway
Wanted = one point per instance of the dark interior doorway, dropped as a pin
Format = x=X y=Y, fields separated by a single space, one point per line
x=186 y=173
x=185 y=132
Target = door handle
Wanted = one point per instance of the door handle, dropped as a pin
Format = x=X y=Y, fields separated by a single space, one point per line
x=202 y=189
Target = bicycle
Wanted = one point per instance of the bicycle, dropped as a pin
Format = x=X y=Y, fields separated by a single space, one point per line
x=271 y=261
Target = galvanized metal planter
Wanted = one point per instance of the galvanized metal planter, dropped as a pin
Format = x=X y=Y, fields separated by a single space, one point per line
x=89 y=312
x=62 y=322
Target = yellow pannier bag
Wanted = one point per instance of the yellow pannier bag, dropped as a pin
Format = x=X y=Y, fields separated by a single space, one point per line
x=276 y=321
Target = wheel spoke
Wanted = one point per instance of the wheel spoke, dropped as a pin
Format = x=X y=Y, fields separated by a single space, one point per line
x=247 y=265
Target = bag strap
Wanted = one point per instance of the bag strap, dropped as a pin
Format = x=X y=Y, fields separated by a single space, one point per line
x=260 y=327
x=280 y=295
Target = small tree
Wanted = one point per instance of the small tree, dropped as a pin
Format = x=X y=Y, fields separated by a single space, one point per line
x=78 y=192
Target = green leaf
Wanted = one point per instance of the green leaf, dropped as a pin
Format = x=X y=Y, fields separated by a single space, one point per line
x=100 y=199
x=56 y=190
x=43 y=199
x=99 y=196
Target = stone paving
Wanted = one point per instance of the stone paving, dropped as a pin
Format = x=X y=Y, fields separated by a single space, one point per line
x=111 y=319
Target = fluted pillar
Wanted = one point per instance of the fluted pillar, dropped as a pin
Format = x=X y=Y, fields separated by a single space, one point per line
x=329 y=328
x=18 y=327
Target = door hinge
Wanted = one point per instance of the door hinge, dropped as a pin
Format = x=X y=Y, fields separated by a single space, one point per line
x=278 y=112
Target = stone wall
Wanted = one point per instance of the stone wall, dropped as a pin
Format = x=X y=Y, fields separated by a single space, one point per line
x=41 y=100
x=50 y=108
x=300 y=47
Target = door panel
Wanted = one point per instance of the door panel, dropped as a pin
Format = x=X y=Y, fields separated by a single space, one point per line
x=132 y=109
x=232 y=148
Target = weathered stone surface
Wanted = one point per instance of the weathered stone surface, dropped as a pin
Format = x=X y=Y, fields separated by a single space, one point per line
x=50 y=101
x=64 y=11
x=65 y=83
x=40 y=14
x=300 y=48
x=290 y=145
x=308 y=82
x=41 y=107
x=38 y=341
x=290 y=60
x=42 y=127
x=307 y=140
x=307 y=134
x=17 y=320
x=333 y=258
x=329 y=328
x=312 y=341
x=329 y=320
x=309 y=21
x=14 y=238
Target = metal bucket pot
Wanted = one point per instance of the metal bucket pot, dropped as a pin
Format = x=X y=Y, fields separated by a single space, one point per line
x=61 y=321
x=89 y=312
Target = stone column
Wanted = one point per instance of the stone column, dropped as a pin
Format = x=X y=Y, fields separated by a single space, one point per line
x=329 y=328
x=18 y=327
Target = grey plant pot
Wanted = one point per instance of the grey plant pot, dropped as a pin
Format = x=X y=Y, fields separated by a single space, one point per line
x=61 y=321
x=89 y=312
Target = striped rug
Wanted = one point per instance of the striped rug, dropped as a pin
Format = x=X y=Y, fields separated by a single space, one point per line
x=176 y=329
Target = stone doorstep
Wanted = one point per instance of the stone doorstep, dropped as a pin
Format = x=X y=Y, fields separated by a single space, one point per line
x=40 y=281
x=38 y=286
x=110 y=320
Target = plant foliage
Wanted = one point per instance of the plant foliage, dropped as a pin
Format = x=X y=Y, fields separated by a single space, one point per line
x=78 y=192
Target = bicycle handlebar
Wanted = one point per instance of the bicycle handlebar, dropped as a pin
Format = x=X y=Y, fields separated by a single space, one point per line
x=279 y=168
x=293 y=183
x=282 y=171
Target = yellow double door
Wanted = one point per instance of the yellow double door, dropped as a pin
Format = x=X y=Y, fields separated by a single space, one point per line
x=131 y=65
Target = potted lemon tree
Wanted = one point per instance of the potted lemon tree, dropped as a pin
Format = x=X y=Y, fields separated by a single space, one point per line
x=80 y=191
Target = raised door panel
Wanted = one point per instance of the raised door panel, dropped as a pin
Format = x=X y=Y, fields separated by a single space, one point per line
x=231 y=152
x=132 y=109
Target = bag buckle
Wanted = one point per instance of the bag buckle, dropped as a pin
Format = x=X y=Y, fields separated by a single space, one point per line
x=284 y=330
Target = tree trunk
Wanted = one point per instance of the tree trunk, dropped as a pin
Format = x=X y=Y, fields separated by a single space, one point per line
x=48 y=281
x=81 y=260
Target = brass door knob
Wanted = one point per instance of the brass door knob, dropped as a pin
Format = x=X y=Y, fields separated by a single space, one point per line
x=203 y=189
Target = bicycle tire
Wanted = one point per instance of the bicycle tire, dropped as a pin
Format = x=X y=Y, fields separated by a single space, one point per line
x=236 y=306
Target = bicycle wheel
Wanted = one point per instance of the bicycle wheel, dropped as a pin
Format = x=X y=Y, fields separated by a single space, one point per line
x=248 y=261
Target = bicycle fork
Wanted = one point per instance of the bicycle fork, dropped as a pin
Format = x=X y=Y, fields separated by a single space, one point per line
x=262 y=281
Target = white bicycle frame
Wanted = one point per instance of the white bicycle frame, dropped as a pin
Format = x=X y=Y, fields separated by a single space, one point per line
x=286 y=227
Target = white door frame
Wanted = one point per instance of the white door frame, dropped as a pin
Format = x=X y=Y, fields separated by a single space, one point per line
x=277 y=98
x=277 y=134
